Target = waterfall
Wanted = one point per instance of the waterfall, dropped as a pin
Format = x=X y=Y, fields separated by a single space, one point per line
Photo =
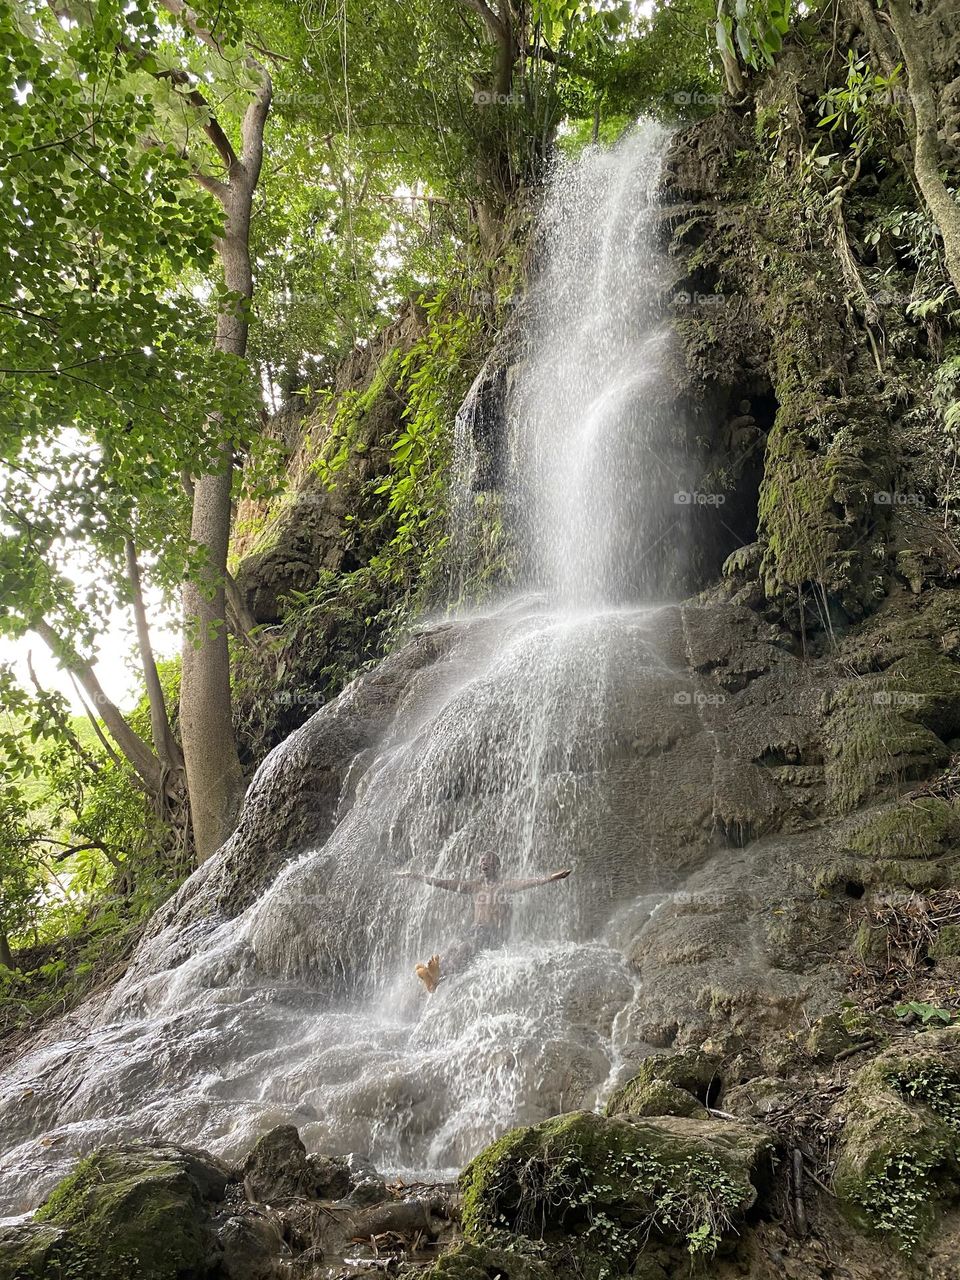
x=523 y=740
x=591 y=441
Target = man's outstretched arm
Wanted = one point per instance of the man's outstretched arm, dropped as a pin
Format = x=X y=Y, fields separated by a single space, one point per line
x=516 y=886
x=455 y=886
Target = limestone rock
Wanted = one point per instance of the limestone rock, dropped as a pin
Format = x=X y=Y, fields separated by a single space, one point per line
x=900 y=1158
x=31 y=1250
x=476 y=1262
x=668 y=1085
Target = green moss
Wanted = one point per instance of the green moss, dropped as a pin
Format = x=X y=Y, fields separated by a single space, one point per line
x=482 y=1262
x=920 y=828
x=667 y=1085
x=946 y=945
x=872 y=746
x=32 y=1251
x=899 y=1159
x=130 y=1212
x=871 y=943
x=612 y=1183
x=828 y=1037
x=795 y=512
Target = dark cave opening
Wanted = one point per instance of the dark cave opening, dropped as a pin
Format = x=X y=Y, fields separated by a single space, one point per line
x=725 y=506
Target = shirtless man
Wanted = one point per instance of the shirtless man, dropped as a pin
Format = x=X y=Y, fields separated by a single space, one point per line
x=491 y=912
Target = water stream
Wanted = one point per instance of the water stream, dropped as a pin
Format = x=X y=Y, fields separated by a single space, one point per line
x=305 y=1008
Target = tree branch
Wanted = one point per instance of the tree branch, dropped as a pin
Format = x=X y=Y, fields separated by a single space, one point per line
x=926 y=161
x=136 y=751
x=166 y=745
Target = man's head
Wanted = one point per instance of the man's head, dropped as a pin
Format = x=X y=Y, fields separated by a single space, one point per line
x=490 y=867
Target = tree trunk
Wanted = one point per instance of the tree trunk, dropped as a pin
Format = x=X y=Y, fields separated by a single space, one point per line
x=215 y=780
x=6 y=955
x=165 y=744
x=506 y=51
x=926 y=161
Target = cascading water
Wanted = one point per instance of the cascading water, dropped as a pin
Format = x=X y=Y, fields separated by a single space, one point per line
x=305 y=1009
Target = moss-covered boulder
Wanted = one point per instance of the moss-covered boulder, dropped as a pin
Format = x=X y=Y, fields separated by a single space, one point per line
x=610 y=1186
x=31 y=1251
x=675 y=1084
x=922 y=828
x=134 y=1210
x=899 y=1163
x=480 y=1262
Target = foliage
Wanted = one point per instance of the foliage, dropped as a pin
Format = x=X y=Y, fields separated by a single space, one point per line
x=927 y=1013
x=897 y=1197
x=932 y=1082
x=433 y=378
x=865 y=106
x=755 y=30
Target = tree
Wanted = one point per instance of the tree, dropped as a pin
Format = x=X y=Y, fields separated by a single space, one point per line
x=215 y=780
x=107 y=346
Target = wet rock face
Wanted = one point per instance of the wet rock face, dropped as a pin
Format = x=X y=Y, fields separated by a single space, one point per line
x=681 y=771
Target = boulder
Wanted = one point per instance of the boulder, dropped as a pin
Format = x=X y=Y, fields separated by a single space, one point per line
x=253 y=1247
x=366 y=1184
x=606 y=1183
x=278 y=1167
x=899 y=1162
x=331 y=1176
x=674 y=1084
x=478 y=1262
x=137 y=1209
x=30 y=1250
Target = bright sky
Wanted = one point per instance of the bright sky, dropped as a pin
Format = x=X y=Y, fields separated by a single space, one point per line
x=117 y=663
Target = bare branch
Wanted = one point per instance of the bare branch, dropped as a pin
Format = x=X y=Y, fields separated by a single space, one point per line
x=130 y=743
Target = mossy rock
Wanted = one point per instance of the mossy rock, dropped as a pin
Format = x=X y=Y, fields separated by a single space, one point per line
x=32 y=1251
x=134 y=1210
x=946 y=945
x=900 y=1157
x=828 y=1038
x=923 y=828
x=874 y=748
x=468 y=1261
x=603 y=1184
x=871 y=943
x=668 y=1085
